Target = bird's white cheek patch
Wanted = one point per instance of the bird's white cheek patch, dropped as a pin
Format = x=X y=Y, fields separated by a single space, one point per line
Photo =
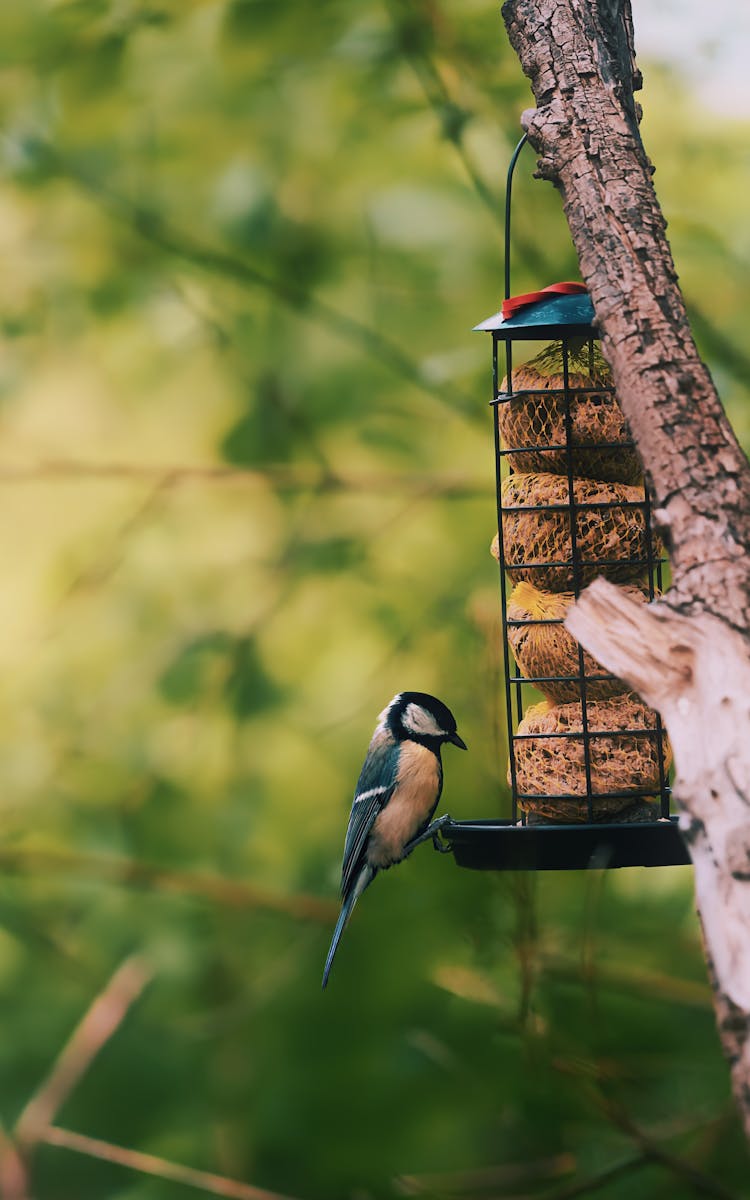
x=418 y=720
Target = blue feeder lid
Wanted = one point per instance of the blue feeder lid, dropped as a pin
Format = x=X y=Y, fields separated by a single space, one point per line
x=552 y=317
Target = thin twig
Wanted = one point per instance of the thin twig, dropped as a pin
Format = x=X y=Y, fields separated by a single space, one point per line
x=280 y=475
x=465 y=1183
x=453 y=119
x=153 y=228
x=610 y=977
x=106 y=562
x=233 y=893
x=79 y=469
x=587 y=1187
x=149 y=1164
x=99 y=1023
x=300 y=421
x=14 y=1183
x=495 y=1179
x=704 y=1185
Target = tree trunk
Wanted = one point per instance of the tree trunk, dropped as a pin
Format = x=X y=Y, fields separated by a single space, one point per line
x=688 y=654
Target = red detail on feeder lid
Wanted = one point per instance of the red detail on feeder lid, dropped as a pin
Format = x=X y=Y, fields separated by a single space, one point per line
x=566 y=288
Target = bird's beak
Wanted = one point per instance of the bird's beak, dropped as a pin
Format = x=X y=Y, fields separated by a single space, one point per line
x=458 y=741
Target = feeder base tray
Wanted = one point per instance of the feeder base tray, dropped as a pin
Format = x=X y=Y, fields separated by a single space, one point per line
x=503 y=846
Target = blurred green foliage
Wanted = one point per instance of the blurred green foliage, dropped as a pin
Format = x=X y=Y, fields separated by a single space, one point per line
x=247 y=479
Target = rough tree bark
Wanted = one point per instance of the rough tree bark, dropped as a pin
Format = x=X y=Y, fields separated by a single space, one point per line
x=688 y=654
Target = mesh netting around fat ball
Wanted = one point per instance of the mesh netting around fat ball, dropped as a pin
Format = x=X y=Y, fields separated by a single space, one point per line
x=542 y=650
x=538 y=419
x=621 y=762
x=610 y=541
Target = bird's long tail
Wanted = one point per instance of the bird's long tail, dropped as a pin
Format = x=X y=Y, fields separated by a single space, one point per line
x=365 y=877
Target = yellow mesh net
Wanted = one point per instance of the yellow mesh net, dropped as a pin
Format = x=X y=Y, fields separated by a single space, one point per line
x=542 y=650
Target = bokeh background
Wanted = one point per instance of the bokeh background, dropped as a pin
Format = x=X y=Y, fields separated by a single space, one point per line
x=247 y=495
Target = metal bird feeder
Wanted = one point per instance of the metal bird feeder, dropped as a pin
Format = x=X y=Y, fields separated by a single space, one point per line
x=589 y=766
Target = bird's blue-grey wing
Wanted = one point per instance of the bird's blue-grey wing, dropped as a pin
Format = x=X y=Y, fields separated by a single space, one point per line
x=375 y=787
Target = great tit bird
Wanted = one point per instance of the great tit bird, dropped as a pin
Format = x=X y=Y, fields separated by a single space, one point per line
x=397 y=792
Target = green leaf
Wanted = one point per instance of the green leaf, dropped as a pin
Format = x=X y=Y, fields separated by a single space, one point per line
x=186 y=679
x=249 y=689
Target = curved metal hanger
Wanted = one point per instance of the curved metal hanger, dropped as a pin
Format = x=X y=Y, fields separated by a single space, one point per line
x=508 y=188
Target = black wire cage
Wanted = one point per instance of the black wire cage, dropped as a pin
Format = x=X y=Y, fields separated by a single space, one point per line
x=589 y=765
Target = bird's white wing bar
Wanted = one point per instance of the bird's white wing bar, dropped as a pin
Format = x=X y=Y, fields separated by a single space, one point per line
x=375 y=791
x=365 y=809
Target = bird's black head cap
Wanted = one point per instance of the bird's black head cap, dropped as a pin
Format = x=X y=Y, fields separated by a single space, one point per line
x=420 y=717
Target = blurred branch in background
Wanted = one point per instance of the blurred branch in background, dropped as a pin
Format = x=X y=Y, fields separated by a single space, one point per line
x=285 y=478
x=487 y=1181
x=412 y=29
x=156 y=229
x=13 y=1174
x=35 y=1124
x=132 y=872
x=102 y=1020
x=699 y=1182
x=161 y=1168
x=460 y=1185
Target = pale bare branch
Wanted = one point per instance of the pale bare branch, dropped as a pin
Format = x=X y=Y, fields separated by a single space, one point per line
x=97 y=1026
x=150 y=1164
x=14 y=1183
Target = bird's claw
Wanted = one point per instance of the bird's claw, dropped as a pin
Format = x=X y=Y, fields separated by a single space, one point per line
x=431 y=833
x=440 y=846
x=436 y=829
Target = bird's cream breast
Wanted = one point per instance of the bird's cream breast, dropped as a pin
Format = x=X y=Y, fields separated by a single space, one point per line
x=409 y=808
